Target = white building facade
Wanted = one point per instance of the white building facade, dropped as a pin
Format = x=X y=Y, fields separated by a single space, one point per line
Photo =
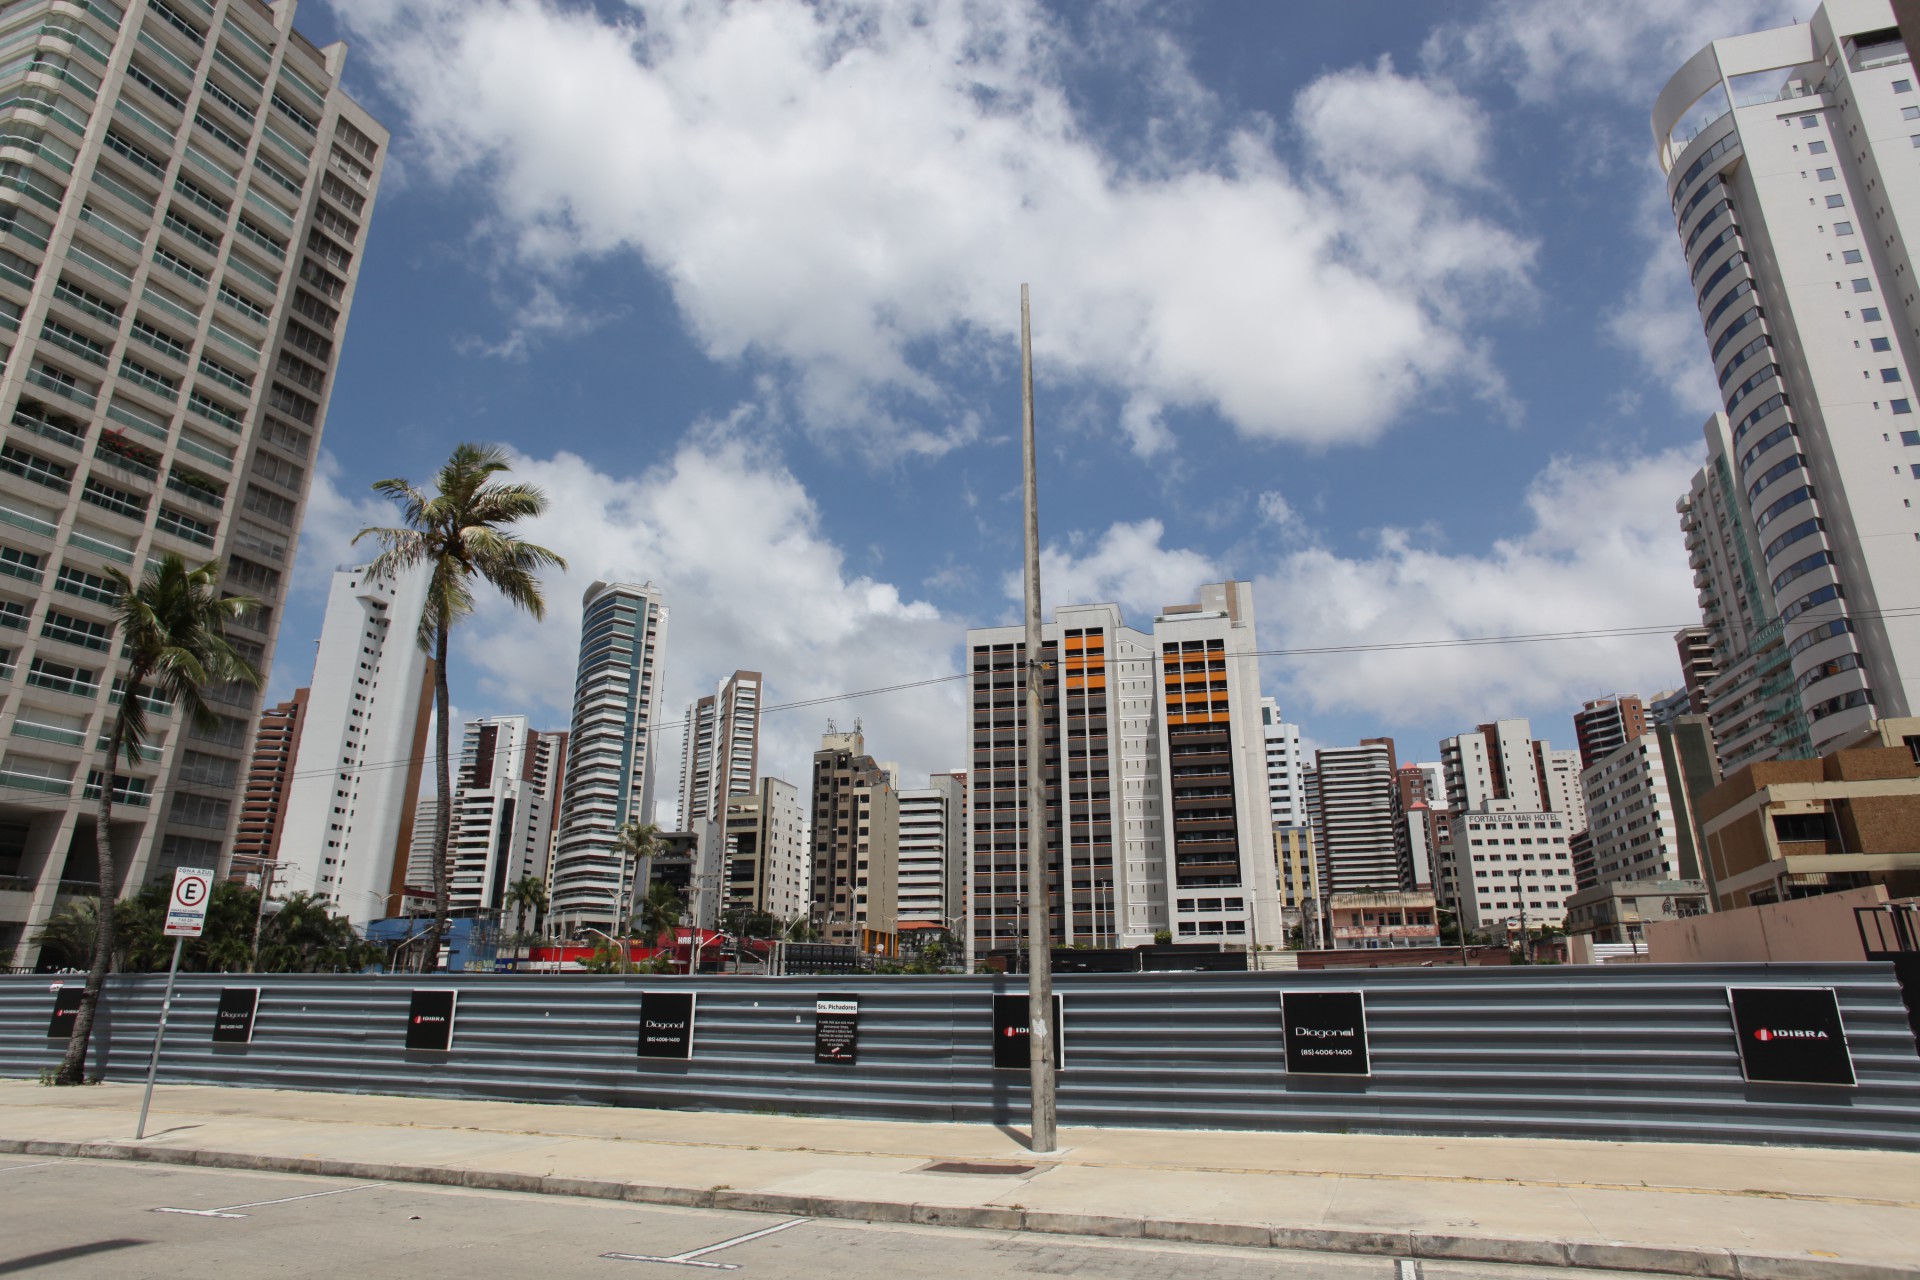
x=1512 y=864
x=348 y=805
x=186 y=199
x=623 y=641
x=932 y=851
x=508 y=784
x=1788 y=156
x=1286 y=770
x=1170 y=831
x=720 y=755
x=1357 y=821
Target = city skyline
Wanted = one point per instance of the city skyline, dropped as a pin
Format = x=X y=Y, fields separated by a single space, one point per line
x=1547 y=507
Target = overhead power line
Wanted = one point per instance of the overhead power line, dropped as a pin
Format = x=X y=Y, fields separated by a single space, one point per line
x=1382 y=646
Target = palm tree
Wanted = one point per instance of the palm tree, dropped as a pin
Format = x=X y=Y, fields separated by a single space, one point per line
x=458 y=533
x=638 y=843
x=172 y=628
x=659 y=912
x=528 y=893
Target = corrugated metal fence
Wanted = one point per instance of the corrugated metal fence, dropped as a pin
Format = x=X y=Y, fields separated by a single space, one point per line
x=1614 y=1052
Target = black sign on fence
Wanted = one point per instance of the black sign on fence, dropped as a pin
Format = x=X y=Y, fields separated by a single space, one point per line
x=836 y=1029
x=1790 y=1035
x=1010 y=1034
x=233 y=1020
x=1326 y=1033
x=666 y=1024
x=66 y=1007
x=430 y=1020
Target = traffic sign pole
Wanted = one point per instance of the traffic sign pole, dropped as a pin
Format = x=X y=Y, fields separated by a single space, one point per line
x=153 y=1064
x=186 y=918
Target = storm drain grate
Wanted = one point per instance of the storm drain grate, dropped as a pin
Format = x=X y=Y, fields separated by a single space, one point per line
x=961 y=1166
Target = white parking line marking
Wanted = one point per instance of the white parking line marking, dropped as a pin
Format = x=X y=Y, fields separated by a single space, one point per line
x=226 y=1211
x=1409 y=1269
x=691 y=1257
x=9 y=1168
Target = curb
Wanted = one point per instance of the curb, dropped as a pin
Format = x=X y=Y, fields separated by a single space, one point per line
x=1723 y=1264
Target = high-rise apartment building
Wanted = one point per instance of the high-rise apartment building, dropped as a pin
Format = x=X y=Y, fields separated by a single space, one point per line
x=263 y=806
x=1698 y=665
x=186 y=197
x=1504 y=761
x=933 y=848
x=1357 y=821
x=769 y=867
x=1302 y=904
x=1421 y=813
x=856 y=846
x=609 y=780
x=507 y=786
x=363 y=746
x=1172 y=831
x=1788 y=156
x=1604 y=725
x=1512 y=864
x=1641 y=802
x=1286 y=769
x=720 y=755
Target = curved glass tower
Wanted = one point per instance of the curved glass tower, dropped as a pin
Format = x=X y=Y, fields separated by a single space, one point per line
x=1789 y=157
x=623 y=635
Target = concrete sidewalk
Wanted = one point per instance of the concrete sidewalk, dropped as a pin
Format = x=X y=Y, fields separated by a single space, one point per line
x=1778 y=1213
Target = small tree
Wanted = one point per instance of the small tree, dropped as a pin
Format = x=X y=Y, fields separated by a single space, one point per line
x=458 y=533
x=528 y=893
x=172 y=630
x=659 y=912
x=639 y=844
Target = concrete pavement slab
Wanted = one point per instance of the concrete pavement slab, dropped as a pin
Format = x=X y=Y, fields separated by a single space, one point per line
x=1667 y=1208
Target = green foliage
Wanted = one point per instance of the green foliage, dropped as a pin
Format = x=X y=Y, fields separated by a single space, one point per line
x=605 y=959
x=659 y=912
x=1163 y=937
x=527 y=894
x=458 y=533
x=300 y=938
x=745 y=922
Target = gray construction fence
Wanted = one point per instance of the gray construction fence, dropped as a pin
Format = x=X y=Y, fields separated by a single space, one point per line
x=1639 y=1052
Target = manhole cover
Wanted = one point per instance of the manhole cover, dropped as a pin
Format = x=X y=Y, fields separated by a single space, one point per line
x=961 y=1166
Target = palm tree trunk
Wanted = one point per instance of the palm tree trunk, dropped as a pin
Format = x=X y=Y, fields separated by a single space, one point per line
x=443 y=819
x=73 y=1067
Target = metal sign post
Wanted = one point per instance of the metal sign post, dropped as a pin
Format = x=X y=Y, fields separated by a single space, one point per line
x=186 y=918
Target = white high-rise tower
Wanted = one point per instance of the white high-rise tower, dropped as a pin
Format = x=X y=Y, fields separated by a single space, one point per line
x=1789 y=157
x=184 y=213
x=623 y=637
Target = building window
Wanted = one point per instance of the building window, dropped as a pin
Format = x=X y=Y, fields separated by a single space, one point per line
x=1881 y=344
x=1901 y=406
x=1863 y=285
x=1870 y=313
x=1903 y=86
x=1910 y=113
x=1850 y=255
x=1843 y=228
x=1817 y=147
x=1836 y=201
x=1824 y=175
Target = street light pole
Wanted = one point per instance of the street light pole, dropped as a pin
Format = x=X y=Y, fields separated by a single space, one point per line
x=1040 y=1029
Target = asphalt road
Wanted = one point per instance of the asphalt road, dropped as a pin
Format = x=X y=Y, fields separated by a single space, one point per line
x=78 y=1218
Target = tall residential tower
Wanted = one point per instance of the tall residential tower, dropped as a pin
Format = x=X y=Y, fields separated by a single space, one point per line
x=184 y=216
x=609 y=782
x=1789 y=157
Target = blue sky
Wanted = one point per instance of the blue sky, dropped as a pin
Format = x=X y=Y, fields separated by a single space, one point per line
x=1373 y=304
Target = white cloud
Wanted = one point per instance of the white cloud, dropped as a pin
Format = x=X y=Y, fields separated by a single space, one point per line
x=854 y=190
x=733 y=540
x=1624 y=48
x=1602 y=550
x=1126 y=566
x=1659 y=321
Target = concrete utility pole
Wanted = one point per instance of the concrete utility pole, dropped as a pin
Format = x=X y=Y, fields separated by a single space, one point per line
x=1040 y=1028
